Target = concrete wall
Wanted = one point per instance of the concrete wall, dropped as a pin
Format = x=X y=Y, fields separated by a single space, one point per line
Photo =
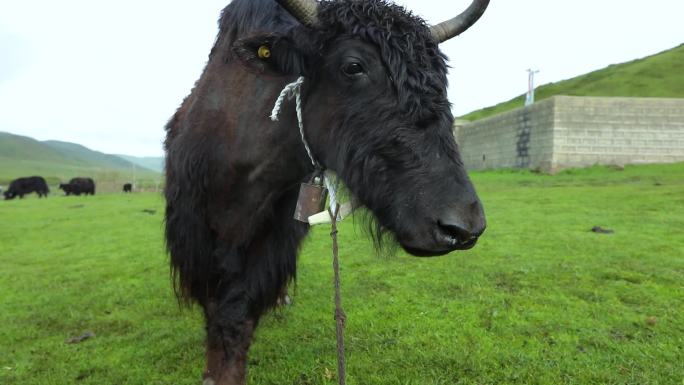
x=522 y=138
x=621 y=131
x=568 y=131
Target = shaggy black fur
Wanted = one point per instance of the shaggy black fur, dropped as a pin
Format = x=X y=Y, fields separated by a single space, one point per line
x=207 y=264
x=412 y=57
x=417 y=72
x=387 y=157
x=232 y=176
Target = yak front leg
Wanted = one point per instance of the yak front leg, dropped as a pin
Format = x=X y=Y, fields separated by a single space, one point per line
x=229 y=334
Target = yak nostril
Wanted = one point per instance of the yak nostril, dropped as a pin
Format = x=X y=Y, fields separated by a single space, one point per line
x=456 y=230
x=461 y=225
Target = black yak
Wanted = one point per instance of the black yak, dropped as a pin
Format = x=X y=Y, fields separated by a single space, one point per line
x=22 y=186
x=78 y=186
x=373 y=88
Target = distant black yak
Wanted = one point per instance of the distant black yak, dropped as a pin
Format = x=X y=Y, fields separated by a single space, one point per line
x=22 y=186
x=78 y=186
x=127 y=187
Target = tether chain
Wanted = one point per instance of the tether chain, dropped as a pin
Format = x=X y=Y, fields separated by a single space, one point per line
x=340 y=317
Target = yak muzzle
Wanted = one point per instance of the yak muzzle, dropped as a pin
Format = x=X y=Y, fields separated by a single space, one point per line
x=456 y=228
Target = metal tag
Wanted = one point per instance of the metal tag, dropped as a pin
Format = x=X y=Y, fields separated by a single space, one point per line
x=311 y=201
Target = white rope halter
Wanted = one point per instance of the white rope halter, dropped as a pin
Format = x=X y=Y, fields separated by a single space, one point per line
x=293 y=90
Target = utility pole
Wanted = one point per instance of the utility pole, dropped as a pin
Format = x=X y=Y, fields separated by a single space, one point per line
x=530 y=86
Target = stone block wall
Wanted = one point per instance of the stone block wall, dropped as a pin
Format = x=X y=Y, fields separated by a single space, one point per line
x=568 y=131
x=521 y=138
x=594 y=130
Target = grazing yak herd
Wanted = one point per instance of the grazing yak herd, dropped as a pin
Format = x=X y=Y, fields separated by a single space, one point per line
x=37 y=184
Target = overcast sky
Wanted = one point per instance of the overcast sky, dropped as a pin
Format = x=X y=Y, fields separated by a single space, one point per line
x=108 y=75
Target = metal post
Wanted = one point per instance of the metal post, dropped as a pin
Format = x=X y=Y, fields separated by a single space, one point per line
x=530 y=86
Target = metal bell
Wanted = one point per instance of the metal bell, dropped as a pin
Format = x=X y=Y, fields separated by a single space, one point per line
x=311 y=201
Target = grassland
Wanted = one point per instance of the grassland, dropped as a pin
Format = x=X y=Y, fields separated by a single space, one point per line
x=60 y=161
x=540 y=300
x=660 y=75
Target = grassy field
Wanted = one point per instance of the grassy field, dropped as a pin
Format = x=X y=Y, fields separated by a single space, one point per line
x=540 y=300
x=660 y=75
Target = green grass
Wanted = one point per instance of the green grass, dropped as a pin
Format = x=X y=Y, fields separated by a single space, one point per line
x=660 y=75
x=540 y=300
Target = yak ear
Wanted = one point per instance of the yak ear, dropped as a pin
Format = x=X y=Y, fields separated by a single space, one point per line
x=272 y=53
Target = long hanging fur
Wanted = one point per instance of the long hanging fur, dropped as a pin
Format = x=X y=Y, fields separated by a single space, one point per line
x=194 y=172
x=200 y=261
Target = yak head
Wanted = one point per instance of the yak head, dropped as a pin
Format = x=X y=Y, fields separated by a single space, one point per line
x=376 y=112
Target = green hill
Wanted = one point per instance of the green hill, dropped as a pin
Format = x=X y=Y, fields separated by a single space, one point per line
x=82 y=155
x=155 y=163
x=15 y=147
x=660 y=75
x=60 y=161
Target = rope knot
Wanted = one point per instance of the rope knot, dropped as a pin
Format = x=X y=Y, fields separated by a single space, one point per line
x=293 y=90
x=290 y=92
x=341 y=316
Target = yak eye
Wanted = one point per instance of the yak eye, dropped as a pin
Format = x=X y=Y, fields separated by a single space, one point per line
x=352 y=69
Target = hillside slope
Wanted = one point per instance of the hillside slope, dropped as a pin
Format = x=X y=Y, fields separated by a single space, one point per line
x=155 y=163
x=59 y=161
x=82 y=155
x=659 y=75
x=15 y=147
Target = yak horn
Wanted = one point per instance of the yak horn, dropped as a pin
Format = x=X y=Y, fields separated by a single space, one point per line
x=304 y=10
x=454 y=27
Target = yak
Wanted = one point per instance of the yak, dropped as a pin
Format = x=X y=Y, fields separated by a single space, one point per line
x=127 y=188
x=22 y=186
x=372 y=89
x=68 y=189
x=78 y=186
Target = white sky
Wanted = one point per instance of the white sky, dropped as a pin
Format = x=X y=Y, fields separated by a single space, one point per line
x=108 y=75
